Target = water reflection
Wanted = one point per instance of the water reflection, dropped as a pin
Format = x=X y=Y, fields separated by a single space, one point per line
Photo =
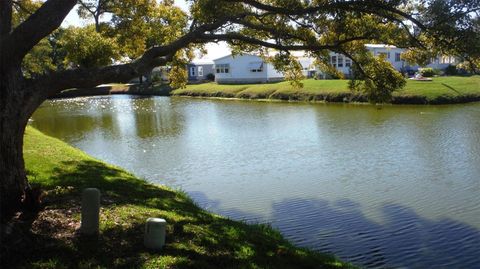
x=403 y=240
x=396 y=186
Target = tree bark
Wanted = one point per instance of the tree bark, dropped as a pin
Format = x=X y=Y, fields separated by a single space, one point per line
x=13 y=121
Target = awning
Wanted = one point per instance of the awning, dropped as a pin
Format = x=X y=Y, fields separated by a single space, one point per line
x=255 y=65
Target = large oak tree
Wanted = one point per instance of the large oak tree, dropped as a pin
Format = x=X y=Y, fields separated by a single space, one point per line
x=425 y=27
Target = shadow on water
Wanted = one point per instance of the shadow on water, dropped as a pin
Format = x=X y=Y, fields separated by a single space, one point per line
x=403 y=239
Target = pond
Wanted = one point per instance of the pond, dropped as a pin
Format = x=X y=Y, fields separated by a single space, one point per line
x=379 y=186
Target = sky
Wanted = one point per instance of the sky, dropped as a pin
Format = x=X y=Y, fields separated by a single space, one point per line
x=214 y=50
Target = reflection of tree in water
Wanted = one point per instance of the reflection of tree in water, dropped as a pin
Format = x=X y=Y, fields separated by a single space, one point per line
x=73 y=119
x=156 y=117
x=70 y=121
x=404 y=239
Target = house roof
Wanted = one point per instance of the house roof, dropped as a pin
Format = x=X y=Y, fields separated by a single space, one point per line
x=380 y=46
x=230 y=55
x=201 y=62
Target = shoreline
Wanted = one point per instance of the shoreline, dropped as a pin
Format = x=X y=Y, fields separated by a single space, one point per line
x=442 y=91
x=344 y=99
x=196 y=238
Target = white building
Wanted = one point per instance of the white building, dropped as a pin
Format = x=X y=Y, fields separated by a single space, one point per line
x=393 y=55
x=248 y=68
x=308 y=66
x=245 y=68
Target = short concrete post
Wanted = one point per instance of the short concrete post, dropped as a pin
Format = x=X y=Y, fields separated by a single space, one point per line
x=155 y=233
x=90 y=211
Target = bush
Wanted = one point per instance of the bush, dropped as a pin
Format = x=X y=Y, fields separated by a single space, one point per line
x=211 y=77
x=427 y=72
x=451 y=70
x=156 y=78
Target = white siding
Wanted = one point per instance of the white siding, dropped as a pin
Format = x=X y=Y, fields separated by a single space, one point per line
x=390 y=51
x=240 y=70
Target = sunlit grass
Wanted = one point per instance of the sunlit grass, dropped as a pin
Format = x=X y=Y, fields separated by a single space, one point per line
x=440 y=90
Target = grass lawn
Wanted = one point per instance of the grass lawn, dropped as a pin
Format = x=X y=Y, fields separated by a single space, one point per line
x=195 y=238
x=440 y=90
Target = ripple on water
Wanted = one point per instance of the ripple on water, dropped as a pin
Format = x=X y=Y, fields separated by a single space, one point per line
x=390 y=188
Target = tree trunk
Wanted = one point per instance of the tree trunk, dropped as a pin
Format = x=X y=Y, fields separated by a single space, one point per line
x=14 y=114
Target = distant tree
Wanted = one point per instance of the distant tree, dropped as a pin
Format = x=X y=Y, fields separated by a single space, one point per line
x=94 y=9
x=153 y=34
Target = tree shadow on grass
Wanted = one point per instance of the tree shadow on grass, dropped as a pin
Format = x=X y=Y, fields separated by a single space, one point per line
x=195 y=238
x=451 y=88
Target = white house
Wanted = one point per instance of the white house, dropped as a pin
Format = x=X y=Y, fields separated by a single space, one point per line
x=245 y=68
x=248 y=68
x=308 y=66
x=393 y=55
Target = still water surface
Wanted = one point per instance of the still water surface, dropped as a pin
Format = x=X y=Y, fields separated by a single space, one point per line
x=392 y=187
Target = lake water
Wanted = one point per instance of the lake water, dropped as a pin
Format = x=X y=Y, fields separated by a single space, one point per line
x=390 y=186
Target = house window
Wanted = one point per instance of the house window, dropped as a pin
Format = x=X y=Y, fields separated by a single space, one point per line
x=397 y=57
x=334 y=61
x=222 y=68
x=340 y=61
x=348 y=62
x=384 y=54
x=192 y=71
x=200 y=71
x=255 y=67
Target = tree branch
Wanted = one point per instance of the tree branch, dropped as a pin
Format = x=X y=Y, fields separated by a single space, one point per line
x=251 y=40
x=49 y=85
x=40 y=24
x=373 y=7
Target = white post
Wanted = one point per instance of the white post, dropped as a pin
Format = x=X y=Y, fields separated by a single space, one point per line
x=90 y=211
x=155 y=233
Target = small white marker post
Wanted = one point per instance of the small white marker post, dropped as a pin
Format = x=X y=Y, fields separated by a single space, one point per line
x=90 y=211
x=154 y=233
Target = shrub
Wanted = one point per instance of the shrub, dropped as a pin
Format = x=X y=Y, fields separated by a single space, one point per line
x=451 y=70
x=210 y=77
x=156 y=78
x=427 y=72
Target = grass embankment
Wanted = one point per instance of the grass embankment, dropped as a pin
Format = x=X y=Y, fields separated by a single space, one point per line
x=442 y=90
x=195 y=238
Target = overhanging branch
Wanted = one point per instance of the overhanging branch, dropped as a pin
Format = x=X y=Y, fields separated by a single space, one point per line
x=251 y=40
x=40 y=24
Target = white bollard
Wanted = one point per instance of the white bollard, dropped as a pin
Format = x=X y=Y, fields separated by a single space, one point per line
x=90 y=211
x=155 y=233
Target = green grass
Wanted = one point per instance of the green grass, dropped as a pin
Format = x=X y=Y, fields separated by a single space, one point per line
x=440 y=90
x=443 y=89
x=195 y=238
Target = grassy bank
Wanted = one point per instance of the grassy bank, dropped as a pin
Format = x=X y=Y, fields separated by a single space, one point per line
x=195 y=238
x=442 y=90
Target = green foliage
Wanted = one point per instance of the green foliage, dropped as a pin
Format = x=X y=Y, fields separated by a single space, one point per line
x=290 y=67
x=210 y=77
x=427 y=72
x=451 y=70
x=38 y=61
x=377 y=78
x=86 y=48
x=23 y=10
